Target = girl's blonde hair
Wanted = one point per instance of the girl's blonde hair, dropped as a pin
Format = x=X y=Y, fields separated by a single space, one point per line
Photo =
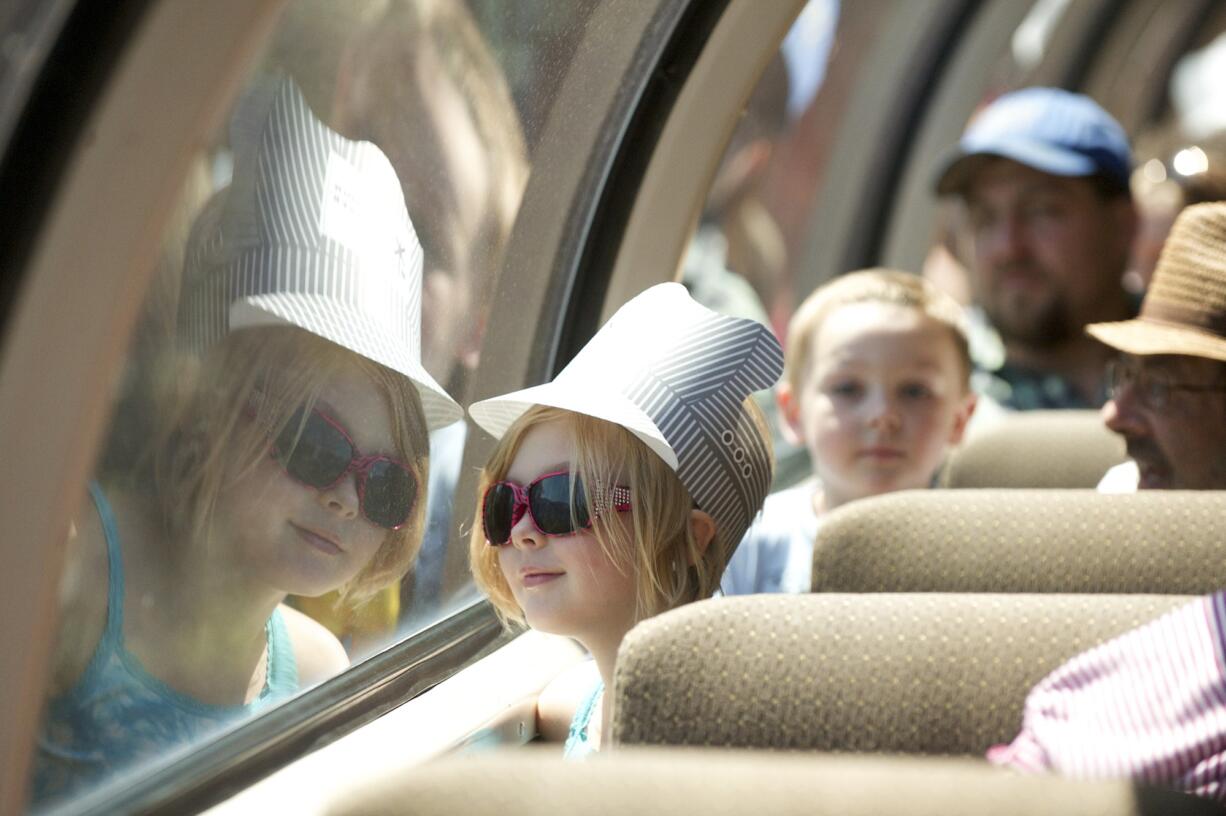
x=215 y=419
x=658 y=547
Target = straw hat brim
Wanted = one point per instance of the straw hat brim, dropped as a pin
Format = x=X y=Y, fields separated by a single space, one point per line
x=1143 y=337
x=497 y=414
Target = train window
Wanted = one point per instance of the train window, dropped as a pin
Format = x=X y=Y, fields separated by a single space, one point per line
x=774 y=224
x=1164 y=98
x=764 y=238
x=758 y=214
x=1181 y=155
x=743 y=256
x=408 y=205
x=276 y=496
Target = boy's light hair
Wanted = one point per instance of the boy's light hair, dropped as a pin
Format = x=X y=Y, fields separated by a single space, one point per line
x=878 y=285
x=213 y=421
x=658 y=547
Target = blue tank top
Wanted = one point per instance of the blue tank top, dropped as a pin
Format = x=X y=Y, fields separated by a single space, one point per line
x=577 y=745
x=118 y=714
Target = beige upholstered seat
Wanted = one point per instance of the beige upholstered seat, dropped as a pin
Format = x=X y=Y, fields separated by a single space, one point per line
x=1037 y=449
x=1025 y=541
x=662 y=782
x=913 y=673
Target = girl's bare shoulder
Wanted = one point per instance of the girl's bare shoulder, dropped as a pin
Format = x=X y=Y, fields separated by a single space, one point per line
x=317 y=651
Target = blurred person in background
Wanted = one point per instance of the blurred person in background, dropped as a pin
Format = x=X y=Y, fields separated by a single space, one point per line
x=1044 y=177
x=1192 y=175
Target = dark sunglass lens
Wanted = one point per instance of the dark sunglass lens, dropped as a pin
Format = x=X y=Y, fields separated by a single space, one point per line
x=581 y=514
x=388 y=494
x=316 y=453
x=550 y=502
x=498 y=512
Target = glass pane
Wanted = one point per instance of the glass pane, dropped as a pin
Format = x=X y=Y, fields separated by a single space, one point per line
x=1180 y=158
x=275 y=496
x=749 y=251
x=1177 y=157
x=29 y=27
x=742 y=259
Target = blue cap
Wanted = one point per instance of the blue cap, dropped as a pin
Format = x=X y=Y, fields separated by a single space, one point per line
x=1050 y=130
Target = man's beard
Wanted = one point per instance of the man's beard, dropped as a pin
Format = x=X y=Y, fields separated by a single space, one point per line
x=1148 y=456
x=1038 y=325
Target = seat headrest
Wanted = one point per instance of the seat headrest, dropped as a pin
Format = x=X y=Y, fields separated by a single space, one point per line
x=914 y=673
x=1024 y=541
x=1037 y=449
x=661 y=782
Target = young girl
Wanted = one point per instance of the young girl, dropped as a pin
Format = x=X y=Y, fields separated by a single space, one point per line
x=620 y=489
x=288 y=454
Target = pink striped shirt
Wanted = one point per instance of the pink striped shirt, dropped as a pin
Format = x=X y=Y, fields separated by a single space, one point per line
x=1150 y=705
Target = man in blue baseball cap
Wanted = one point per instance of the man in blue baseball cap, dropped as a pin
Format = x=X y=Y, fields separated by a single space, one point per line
x=1044 y=177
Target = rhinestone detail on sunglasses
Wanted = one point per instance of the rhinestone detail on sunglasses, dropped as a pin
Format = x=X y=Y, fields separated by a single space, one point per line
x=551 y=517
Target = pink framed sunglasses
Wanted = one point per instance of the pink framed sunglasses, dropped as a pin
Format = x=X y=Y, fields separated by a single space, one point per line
x=546 y=500
x=316 y=451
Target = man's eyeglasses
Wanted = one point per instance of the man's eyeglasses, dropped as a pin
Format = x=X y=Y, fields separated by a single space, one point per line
x=1151 y=389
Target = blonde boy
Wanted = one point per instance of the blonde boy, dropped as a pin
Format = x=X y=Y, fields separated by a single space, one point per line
x=876 y=386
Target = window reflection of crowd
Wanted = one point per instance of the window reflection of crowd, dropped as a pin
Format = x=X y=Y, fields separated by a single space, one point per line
x=421 y=81
x=416 y=80
x=285 y=451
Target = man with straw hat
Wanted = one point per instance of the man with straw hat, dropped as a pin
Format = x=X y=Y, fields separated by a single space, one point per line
x=1168 y=385
x=1151 y=704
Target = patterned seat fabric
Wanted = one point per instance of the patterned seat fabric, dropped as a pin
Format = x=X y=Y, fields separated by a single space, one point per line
x=1025 y=541
x=911 y=673
x=1037 y=449
x=661 y=782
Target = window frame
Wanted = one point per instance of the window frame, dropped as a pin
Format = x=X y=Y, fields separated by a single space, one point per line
x=1092 y=47
x=97 y=239
x=82 y=248
x=626 y=179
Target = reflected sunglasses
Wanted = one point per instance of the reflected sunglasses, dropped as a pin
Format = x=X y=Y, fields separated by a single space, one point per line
x=315 y=451
x=546 y=500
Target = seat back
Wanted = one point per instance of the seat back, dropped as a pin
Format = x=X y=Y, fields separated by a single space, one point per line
x=910 y=673
x=662 y=782
x=1025 y=541
x=1039 y=449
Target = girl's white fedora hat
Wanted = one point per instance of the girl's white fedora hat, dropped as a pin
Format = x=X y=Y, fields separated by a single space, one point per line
x=675 y=374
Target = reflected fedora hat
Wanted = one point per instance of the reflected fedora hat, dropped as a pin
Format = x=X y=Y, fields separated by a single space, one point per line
x=1184 y=310
x=675 y=374
x=312 y=232
x=1048 y=129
